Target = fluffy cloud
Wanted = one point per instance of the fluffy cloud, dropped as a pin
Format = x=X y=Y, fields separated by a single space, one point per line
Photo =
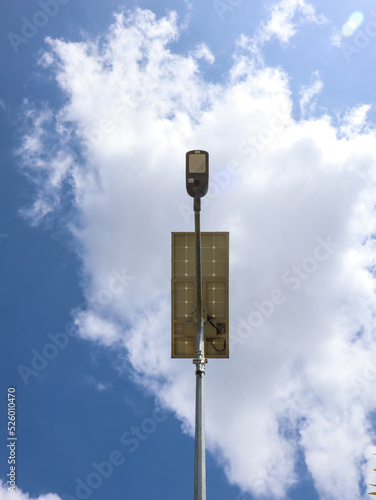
x=5 y=494
x=307 y=95
x=298 y=199
x=285 y=17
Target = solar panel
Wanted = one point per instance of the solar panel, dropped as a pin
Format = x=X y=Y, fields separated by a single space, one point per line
x=215 y=271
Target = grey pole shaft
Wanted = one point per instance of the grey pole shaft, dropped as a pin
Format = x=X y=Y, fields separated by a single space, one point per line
x=200 y=465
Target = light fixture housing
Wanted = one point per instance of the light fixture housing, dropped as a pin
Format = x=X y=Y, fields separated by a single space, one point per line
x=197 y=172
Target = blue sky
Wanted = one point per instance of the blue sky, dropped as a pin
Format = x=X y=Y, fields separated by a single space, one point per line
x=99 y=102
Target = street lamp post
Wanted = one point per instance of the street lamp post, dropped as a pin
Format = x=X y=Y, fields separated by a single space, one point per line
x=197 y=181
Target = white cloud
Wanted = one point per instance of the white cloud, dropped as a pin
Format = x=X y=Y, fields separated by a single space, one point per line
x=307 y=94
x=286 y=16
x=203 y=52
x=355 y=121
x=5 y=494
x=94 y=327
x=336 y=37
x=48 y=170
x=99 y=386
x=298 y=201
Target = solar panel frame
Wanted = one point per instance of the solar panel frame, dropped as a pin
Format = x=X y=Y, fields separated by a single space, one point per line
x=215 y=276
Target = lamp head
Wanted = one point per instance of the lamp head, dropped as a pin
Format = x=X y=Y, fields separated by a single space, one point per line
x=197 y=172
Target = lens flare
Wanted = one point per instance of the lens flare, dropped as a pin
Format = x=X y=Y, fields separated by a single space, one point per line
x=353 y=23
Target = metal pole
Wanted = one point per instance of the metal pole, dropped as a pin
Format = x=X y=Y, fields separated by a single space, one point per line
x=200 y=466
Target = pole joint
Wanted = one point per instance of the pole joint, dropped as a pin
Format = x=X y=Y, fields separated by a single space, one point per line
x=200 y=362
